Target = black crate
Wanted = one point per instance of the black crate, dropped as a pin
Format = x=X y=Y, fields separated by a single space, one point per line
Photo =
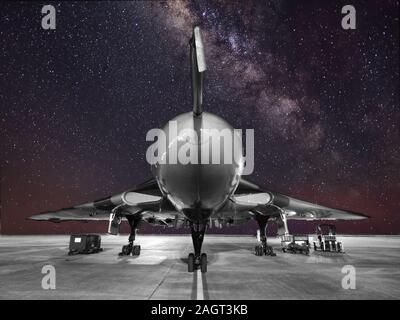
x=84 y=243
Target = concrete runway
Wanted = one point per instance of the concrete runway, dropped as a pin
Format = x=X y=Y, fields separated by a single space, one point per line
x=160 y=272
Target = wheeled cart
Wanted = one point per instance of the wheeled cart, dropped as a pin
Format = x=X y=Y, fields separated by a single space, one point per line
x=325 y=239
x=295 y=244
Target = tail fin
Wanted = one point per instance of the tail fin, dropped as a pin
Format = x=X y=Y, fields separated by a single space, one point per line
x=198 y=66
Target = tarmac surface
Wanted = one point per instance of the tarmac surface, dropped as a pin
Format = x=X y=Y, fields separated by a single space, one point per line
x=234 y=272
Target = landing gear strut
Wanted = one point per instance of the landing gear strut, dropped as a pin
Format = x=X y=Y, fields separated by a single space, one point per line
x=197 y=259
x=263 y=248
x=130 y=248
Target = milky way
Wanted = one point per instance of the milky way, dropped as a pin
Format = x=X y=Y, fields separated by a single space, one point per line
x=77 y=102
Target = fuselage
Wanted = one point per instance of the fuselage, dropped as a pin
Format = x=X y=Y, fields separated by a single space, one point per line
x=199 y=188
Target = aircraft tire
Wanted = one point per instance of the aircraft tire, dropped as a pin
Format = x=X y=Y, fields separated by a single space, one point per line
x=191 y=262
x=203 y=263
x=126 y=250
x=136 y=250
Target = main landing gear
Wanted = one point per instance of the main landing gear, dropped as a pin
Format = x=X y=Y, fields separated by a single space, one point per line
x=130 y=248
x=263 y=248
x=197 y=259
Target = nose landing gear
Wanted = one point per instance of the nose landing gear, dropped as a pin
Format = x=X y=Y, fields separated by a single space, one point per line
x=197 y=259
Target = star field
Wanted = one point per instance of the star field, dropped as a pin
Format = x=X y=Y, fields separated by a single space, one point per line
x=76 y=102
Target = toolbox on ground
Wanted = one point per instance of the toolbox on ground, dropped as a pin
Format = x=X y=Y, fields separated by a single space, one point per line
x=84 y=244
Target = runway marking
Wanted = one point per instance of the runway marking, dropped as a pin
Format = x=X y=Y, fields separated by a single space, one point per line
x=200 y=292
x=193 y=295
x=199 y=286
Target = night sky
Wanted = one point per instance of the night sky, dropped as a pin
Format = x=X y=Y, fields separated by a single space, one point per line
x=76 y=102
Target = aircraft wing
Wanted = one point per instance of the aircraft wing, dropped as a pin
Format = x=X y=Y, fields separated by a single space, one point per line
x=144 y=197
x=302 y=210
x=270 y=203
